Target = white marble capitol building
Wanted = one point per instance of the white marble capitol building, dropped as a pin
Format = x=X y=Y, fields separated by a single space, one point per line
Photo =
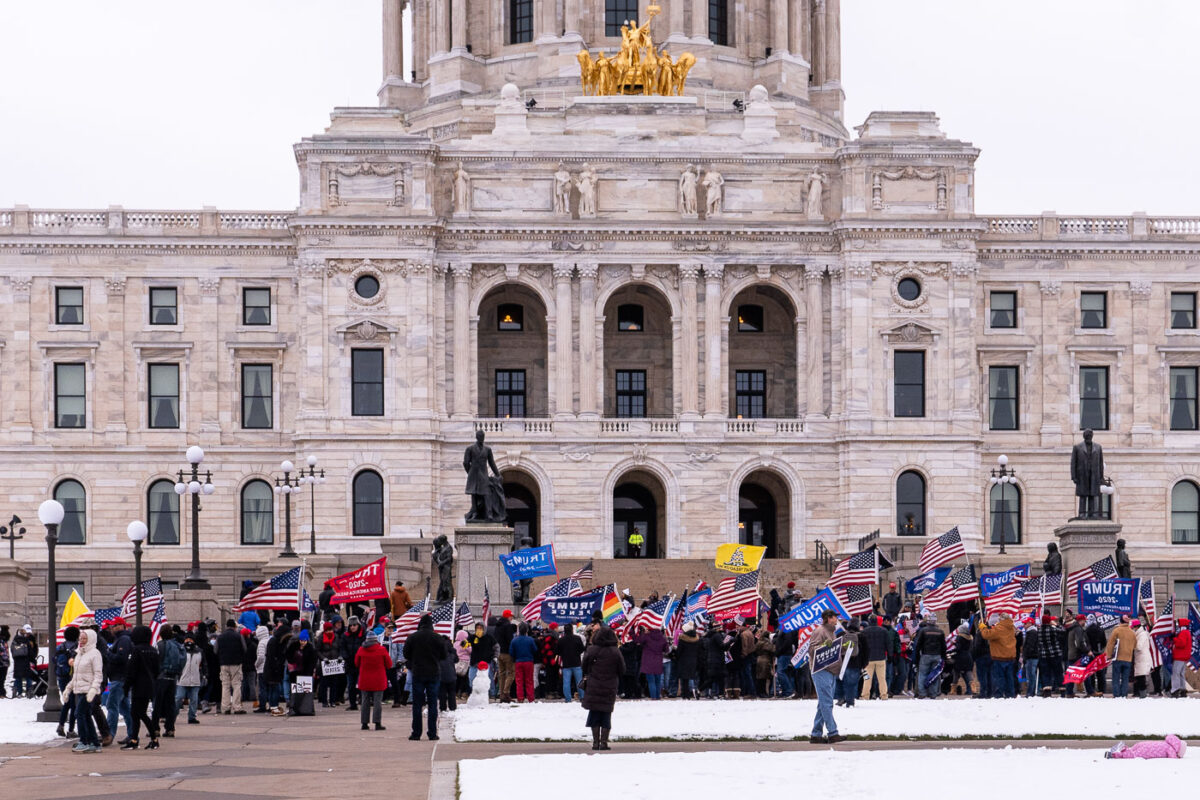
x=692 y=317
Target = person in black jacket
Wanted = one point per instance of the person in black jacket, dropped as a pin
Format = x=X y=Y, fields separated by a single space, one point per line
x=351 y=641
x=930 y=646
x=423 y=652
x=962 y=663
x=713 y=647
x=1097 y=641
x=687 y=661
x=569 y=648
x=116 y=664
x=505 y=668
x=875 y=642
x=231 y=652
x=140 y=680
x=602 y=668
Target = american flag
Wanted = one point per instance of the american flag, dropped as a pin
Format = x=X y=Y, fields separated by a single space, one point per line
x=567 y=587
x=369 y=622
x=1006 y=601
x=655 y=614
x=407 y=623
x=486 y=611
x=942 y=550
x=856 y=599
x=733 y=595
x=859 y=568
x=104 y=616
x=961 y=585
x=625 y=632
x=443 y=618
x=1147 y=599
x=1104 y=568
x=697 y=601
x=463 y=617
x=1164 y=625
x=675 y=618
x=151 y=592
x=281 y=592
x=156 y=623
x=585 y=574
x=1042 y=590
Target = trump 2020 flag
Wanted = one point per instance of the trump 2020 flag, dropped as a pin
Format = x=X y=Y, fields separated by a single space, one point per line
x=365 y=583
x=529 y=562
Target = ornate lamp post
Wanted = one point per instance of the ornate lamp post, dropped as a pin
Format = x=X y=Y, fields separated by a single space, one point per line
x=1107 y=488
x=51 y=513
x=1003 y=476
x=312 y=478
x=189 y=483
x=11 y=533
x=286 y=486
x=137 y=532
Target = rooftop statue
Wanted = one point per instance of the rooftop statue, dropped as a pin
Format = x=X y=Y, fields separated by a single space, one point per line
x=637 y=68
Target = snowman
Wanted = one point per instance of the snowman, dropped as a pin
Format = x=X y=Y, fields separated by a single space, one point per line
x=480 y=687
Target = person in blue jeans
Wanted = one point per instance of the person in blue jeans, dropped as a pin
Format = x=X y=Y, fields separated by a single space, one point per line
x=784 y=686
x=120 y=647
x=570 y=648
x=654 y=645
x=824 y=729
x=1004 y=677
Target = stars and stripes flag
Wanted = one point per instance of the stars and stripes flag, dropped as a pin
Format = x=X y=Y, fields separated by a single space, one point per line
x=1040 y=591
x=625 y=632
x=1194 y=625
x=655 y=614
x=463 y=618
x=856 y=599
x=1164 y=624
x=734 y=596
x=369 y=622
x=157 y=621
x=961 y=585
x=103 y=616
x=1104 y=568
x=1007 y=602
x=859 y=568
x=567 y=587
x=151 y=592
x=942 y=550
x=676 y=617
x=585 y=574
x=486 y=612
x=443 y=618
x=407 y=623
x=697 y=601
x=280 y=593
x=1146 y=596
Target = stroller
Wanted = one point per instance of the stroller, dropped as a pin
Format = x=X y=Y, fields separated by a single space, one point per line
x=39 y=673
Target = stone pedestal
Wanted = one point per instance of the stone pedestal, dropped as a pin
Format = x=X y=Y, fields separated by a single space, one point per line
x=1083 y=542
x=189 y=605
x=14 y=592
x=477 y=550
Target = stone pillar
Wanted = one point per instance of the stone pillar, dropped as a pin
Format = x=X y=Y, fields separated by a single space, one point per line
x=833 y=41
x=21 y=364
x=801 y=361
x=798 y=28
x=476 y=564
x=837 y=338
x=1056 y=381
x=689 y=357
x=1142 y=428
x=310 y=272
x=110 y=366
x=393 y=41
x=14 y=593
x=587 y=341
x=458 y=26
x=420 y=26
x=437 y=339
x=1083 y=542
x=818 y=43
x=462 y=340
x=441 y=26
x=419 y=341
x=816 y=345
x=779 y=26
x=713 y=393
x=545 y=20
x=207 y=354
x=858 y=391
x=563 y=385
x=572 y=11
x=674 y=18
x=699 y=22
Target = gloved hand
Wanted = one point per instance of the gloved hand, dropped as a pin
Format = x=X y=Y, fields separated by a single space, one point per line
x=91 y=695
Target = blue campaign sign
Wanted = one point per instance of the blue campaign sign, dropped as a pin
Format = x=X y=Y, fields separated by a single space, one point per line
x=992 y=582
x=825 y=657
x=927 y=581
x=529 y=562
x=567 y=610
x=1110 y=596
x=808 y=613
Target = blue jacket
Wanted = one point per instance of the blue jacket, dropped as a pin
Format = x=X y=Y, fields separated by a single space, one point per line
x=523 y=649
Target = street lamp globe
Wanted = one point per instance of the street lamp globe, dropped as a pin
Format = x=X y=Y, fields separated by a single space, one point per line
x=208 y=488
x=1002 y=461
x=287 y=466
x=312 y=461
x=137 y=531
x=194 y=454
x=51 y=512
x=193 y=487
x=180 y=488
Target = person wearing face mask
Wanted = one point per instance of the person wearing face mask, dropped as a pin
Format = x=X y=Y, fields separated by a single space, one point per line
x=191 y=677
x=85 y=685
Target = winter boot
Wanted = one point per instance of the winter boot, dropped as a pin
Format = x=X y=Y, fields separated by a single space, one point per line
x=71 y=732
x=130 y=744
x=595 y=738
x=153 y=745
x=604 y=738
x=59 y=730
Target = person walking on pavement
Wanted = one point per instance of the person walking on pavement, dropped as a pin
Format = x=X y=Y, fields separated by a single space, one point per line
x=86 y=680
x=231 y=651
x=824 y=725
x=506 y=673
x=423 y=652
x=372 y=663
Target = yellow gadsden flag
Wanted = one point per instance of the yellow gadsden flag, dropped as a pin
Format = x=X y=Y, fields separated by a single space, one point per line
x=739 y=557
x=73 y=610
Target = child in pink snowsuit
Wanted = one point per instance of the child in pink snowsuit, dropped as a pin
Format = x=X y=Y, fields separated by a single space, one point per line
x=1171 y=747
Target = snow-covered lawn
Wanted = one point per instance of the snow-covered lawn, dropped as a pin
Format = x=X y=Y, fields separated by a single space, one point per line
x=861 y=775
x=786 y=719
x=19 y=725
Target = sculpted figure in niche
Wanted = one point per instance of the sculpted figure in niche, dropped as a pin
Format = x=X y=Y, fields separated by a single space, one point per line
x=462 y=190
x=687 y=190
x=586 y=184
x=562 y=190
x=713 y=195
x=1053 y=563
x=816 y=186
x=443 y=562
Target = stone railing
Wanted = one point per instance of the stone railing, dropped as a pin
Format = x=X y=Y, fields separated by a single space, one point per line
x=760 y=427
x=1050 y=226
x=514 y=425
x=117 y=221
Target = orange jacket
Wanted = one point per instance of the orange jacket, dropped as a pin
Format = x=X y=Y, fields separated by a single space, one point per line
x=1001 y=639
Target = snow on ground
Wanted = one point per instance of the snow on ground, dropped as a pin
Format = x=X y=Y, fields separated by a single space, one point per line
x=786 y=719
x=19 y=725
x=846 y=775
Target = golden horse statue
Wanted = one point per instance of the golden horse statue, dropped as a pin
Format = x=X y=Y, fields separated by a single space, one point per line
x=588 y=74
x=685 y=62
x=637 y=68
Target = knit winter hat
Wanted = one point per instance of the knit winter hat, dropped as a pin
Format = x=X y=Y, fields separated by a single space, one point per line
x=304 y=636
x=328 y=626
x=1046 y=619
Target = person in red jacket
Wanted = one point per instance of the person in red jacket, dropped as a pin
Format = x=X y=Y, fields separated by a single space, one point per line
x=373 y=663
x=1181 y=651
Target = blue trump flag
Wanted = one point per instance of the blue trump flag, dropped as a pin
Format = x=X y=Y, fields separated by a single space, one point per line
x=1109 y=596
x=927 y=581
x=567 y=610
x=808 y=613
x=529 y=562
x=992 y=582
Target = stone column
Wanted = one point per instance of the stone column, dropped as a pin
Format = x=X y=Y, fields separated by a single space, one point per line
x=779 y=26
x=420 y=26
x=689 y=357
x=205 y=361
x=437 y=340
x=441 y=26
x=798 y=28
x=816 y=344
x=419 y=341
x=563 y=385
x=837 y=338
x=674 y=18
x=393 y=43
x=1055 y=375
x=458 y=26
x=713 y=385
x=801 y=360
x=1142 y=427
x=699 y=21
x=462 y=340
x=833 y=41
x=545 y=20
x=310 y=272
x=818 y=42
x=587 y=341
x=858 y=368
x=21 y=364
x=110 y=367
x=572 y=11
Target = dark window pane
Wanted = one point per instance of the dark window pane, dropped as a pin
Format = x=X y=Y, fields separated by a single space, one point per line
x=73 y=529
x=366 y=389
x=70 y=395
x=510 y=317
x=718 y=21
x=1002 y=398
x=910 y=383
x=616 y=12
x=1093 y=310
x=164 y=308
x=366 y=287
x=1183 y=310
x=630 y=317
x=68 y=302
x=1185 y=513
x=256 y=307
x=164 y=395
x=1004 y=310
x=258 y=514
x=368 y=504
x=520 y=21
x=1006 y=513
x=631 y=393
x=1093 y=398
x=257 y=411
x=750 y=319
x=910 y=504
x=1183 y=398
x=909 y=289
x=750 y=393
x=510 y=393
x=163 y=506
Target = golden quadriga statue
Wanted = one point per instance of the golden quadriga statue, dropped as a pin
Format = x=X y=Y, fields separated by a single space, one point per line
x=637 y=68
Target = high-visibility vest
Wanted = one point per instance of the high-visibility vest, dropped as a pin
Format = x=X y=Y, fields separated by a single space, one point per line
x=636 y=539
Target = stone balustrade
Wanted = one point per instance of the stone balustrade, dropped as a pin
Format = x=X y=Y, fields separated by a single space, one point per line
x=639 y=427
x=24 y=221
x=1135 y=227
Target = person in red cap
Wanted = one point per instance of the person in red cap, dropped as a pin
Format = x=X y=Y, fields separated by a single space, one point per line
x=1050 y=657
x=505 y=669
x=1181 y=651
x=891 y=602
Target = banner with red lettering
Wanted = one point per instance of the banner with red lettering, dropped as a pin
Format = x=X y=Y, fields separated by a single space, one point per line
x=1085 y=667
x=364 y=583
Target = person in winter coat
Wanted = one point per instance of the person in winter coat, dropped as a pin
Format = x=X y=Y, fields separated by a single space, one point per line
x=630 y=686
x=85 y=683
x=191 y=677
x=231 y=651
x=654 y=645
x=930 y=647
x=462 y=664
x=523 y=650
x=824 y=725
x=1030 y=657
x=874 y=640
x=483 y=649
x=447 y=701
x=351 y=640
x=764 y=664
x=504 y=633
x=329 y=649
x=1002 y=646
x=1181 y=651
x=423 y=652
x=570 y=648
x=962 y=664
x=24 y=652
x=1122 y=643
x=275 y=668
x=713 y=649
x=1050 y=657
x=602 y=670
x=116 y=663
x=1097 y=641
x=171 y=658
x=263 y=636
x=140 y=680
x=401 y=602
x=1077 y=645
x=1142 y=660
x=687 y=660
x=371 y=663
x=1171 y=747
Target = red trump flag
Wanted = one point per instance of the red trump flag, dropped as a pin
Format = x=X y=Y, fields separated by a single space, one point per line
x=364 y=583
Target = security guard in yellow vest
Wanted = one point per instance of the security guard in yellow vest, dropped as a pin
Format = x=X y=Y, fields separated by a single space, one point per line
x=636 y=540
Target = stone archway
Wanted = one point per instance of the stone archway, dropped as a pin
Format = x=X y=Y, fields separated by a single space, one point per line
x=512 y=351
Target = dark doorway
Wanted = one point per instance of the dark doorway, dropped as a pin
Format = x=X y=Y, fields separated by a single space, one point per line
x=756 y=517
x=635 y=522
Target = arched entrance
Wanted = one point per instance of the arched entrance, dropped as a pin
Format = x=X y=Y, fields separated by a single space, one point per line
x=762 y=354
x=512 y=346
x=764 y=516
x=522 y=501
x=637 y=354
x=639 y=523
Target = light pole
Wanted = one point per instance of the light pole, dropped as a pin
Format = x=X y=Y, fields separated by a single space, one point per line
x=190 y=484
x=1106 y=487
x=12 y=533
x=286 y=486
x=137 y=531
x=312 y=478
x=1003 y=476
x=51 y=513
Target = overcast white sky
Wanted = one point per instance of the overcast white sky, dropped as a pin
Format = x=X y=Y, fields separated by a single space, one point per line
x=1081 y=106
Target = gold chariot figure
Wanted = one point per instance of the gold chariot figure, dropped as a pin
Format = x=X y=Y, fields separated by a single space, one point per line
x=637 y=68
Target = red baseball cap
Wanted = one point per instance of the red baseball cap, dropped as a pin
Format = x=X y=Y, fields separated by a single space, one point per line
x=891 y=586
x=507 y=613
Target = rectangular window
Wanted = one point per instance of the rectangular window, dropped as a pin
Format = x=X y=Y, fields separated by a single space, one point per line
x=1185 y=592
x=1183 y=398
x=164 y=306
x=256 y=306
x=631 y=393
x=1002 y=398
x=750 y=319
x=615 y=14
x=164 y=395
x=910 y=383
x=1093 y=398
x=1093 y=309
x=63 y=589
x=1183 y=310
x=510 y=393
x=1004 y=310
x=520 y=18
x=70 y=395
x=68 y=305
x=257 y=410
x=630 y=317
x=750 y=390
x=366 y=383
x=718 y=22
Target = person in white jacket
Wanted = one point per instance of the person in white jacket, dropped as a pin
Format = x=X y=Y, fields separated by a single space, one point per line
x=86 y=680
x=260 y=664
x=1142 y=660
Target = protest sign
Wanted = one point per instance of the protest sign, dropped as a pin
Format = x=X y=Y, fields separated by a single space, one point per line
x=1109 y=596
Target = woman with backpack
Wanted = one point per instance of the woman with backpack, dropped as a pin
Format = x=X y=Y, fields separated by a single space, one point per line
x=23 y=651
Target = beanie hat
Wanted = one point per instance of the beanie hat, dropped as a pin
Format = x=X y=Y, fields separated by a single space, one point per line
x=791 y=584
x=1046 y=619
x=553 y=626
x=891 y=586
x=328 y=626
x=1080 y=618
x=1137 y=623
x=304 y=636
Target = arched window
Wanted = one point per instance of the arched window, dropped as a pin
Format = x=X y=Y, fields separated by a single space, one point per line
x=910 y=504
x=1005 y=503
x=258 y=513
x=368 y=504
x=1185 y=513
x=162 y=505
x=73 y=529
